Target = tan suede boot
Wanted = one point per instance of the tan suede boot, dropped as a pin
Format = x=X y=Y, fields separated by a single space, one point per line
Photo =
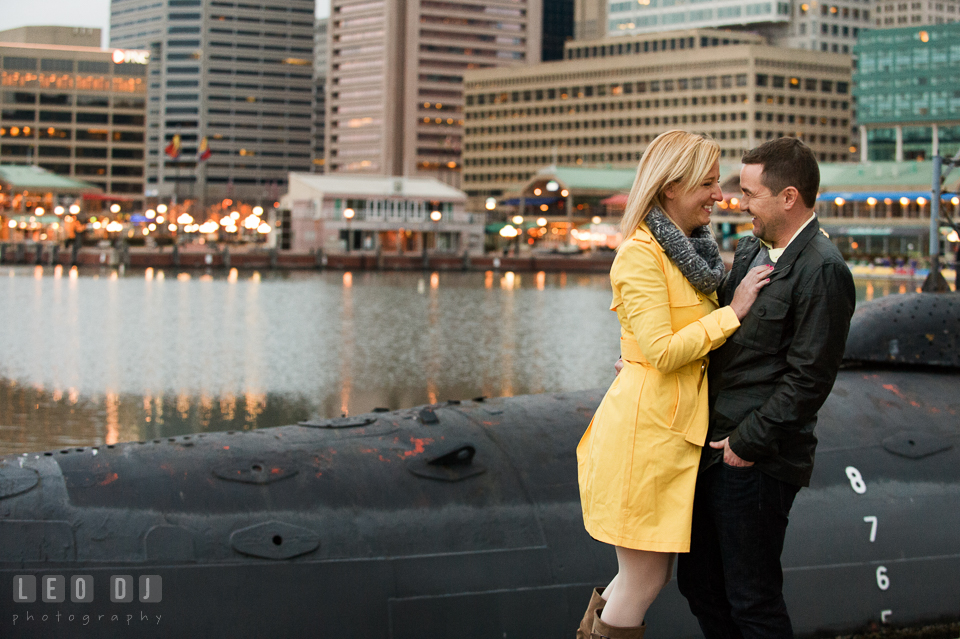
x=586 y=624
x=603 y=631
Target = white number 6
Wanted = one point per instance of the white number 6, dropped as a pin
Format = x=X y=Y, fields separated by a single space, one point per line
x=856 y=480
x=883 y=582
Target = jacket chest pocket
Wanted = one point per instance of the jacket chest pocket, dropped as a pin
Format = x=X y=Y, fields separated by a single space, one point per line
x=765 y=325
x=686 y=304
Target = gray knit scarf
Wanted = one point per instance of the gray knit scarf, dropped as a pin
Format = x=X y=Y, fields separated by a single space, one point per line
x=697 y=256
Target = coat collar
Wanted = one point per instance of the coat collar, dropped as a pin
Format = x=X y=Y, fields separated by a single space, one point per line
x=750 y=246
x=785 y=263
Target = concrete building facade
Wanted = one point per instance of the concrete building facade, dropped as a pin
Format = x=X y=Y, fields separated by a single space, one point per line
x=321 y=63
x=590 y=19
x=893 y=14
x=603 y=111
x=72 y=108
x=829 y=26
x=239 y=75
x=395 y=92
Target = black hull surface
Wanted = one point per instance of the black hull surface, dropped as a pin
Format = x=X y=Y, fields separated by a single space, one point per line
x=454 y=521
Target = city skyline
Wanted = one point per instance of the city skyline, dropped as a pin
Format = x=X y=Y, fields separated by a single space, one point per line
x=69 y=13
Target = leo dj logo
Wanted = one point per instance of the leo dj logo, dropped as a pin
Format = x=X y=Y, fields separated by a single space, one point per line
x=53 y=589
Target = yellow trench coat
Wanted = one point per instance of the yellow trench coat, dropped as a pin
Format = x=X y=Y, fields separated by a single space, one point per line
x=638 y=458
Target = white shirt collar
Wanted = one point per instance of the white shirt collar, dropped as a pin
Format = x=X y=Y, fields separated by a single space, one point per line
x=775 y=253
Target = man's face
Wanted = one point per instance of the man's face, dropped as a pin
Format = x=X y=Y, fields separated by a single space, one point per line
x=769 y=216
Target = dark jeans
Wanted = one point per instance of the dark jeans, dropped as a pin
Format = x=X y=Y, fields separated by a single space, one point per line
x=732 y=577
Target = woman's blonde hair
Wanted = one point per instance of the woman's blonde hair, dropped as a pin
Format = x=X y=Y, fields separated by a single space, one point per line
x=674 y=157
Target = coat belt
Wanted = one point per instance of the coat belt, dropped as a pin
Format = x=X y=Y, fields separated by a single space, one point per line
x=630 y=351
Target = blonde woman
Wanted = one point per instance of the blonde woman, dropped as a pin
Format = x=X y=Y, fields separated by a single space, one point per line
x=638 y=458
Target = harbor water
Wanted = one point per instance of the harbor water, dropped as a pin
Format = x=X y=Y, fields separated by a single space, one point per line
x=93 y=357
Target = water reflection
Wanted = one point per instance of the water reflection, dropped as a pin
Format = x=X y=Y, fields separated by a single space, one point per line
x=103 y=357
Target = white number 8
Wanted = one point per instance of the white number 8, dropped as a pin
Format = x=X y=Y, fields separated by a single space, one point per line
x=856 y=480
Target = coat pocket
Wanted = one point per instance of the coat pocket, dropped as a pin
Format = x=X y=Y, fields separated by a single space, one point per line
x=658 y=398
x=764 y=327
x=690 y=382
x=670 y=401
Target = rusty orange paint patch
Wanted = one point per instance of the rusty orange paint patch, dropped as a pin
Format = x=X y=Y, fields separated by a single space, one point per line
x=384 y=459
x=226 y=448
x=893 y=389
x=112 y=477
x=419 y=445
x=368 y=450
x=274 y=471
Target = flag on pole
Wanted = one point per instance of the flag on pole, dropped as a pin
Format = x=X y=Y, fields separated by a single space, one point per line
x=203 y=153
x=173 y=149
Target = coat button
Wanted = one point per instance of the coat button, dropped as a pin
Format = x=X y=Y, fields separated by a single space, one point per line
x=761 y=311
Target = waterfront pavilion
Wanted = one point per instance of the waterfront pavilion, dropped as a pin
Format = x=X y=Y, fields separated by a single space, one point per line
x=870 y=209
x=565 y=198
x=883 y=208
x=37 y=202
x=393 y=215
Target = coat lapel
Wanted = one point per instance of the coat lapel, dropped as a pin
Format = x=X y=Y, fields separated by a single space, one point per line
x=785 y=263
x=747 y=251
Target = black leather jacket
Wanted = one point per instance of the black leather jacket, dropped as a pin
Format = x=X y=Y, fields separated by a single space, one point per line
x=768 y=381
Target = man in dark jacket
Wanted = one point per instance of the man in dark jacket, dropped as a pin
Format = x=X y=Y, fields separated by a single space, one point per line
x=766 y=385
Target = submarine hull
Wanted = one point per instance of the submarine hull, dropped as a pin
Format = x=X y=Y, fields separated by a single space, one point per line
x=463 y=520
x=353 y=528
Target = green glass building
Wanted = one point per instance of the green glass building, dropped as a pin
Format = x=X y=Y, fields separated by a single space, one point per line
x=907 y=87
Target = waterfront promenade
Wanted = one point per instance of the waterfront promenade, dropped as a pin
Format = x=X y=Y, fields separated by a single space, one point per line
x=249 y=257
x=193 y=256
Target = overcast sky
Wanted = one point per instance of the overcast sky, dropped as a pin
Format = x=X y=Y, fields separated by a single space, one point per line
x=73 y=13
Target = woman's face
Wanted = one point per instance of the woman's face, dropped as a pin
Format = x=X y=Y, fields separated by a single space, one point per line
x=692 y=210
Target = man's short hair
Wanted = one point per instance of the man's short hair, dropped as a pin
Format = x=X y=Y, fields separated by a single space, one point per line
x=787 y=162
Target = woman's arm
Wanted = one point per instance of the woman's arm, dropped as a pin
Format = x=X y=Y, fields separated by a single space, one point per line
x=646 y=303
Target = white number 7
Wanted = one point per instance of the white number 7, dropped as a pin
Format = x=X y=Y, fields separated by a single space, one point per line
x=872 y=520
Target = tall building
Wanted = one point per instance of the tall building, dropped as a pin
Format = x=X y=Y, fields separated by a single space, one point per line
x=73 y=108
x=557 y=28
x=894 y=14
x=395 y=96
x=321 y=61
x=831 y=25
x=590 y=19
x=603 y=107
x=907 y=87
x=235 y=74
